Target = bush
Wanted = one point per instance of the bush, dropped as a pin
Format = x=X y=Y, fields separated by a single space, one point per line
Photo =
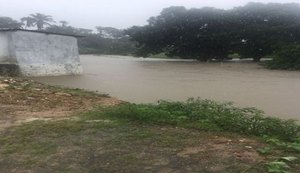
x=206 y=115
x=287 y=58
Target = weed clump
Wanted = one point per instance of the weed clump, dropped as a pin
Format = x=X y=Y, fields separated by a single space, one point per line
x=206 y=115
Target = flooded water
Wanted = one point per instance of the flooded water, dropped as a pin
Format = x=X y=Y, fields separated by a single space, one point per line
x=146 y=81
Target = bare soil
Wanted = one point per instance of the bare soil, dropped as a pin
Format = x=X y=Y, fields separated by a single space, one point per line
x=25 y=100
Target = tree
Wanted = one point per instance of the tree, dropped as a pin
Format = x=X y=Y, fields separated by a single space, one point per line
x=193 y=33
x=63 y=23
x=260 y=27
x=83 y=31
x=7 y=22
x=254 y=31
x=286 y=57
x=62 y=29
x=69 y=30
x=98 y=43
x=28 y=22
x=40 y=20
x=110 y=32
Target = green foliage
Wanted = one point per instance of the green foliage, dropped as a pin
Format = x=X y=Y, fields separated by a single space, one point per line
x=265 y=150
x=24 y=138
x=293 y=146
x=287 y=58
x=208 y=33
x=277 y=167
x=234 y=56
x=261 y=26
x=7 y=22
x=288 y=159
x=280 y=165
x=184 y=33
x=160 y=56
x=207 y=115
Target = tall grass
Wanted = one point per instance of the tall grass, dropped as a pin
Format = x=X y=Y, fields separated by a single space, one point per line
x=206 y=115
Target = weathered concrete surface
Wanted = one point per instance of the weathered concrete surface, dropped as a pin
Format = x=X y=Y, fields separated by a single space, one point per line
x=4 y=50
x=40 y=54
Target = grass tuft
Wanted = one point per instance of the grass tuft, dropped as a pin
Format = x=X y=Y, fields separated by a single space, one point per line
x=204 y=115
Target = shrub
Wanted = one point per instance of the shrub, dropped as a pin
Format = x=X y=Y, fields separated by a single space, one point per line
x=287 y=58
x=207 y=115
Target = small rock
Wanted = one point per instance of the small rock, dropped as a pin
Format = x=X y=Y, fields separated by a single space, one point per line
x=248 y=147
x=242 y=140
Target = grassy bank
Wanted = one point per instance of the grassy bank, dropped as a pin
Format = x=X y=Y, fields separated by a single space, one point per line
x=148 y=138
x=123 y=146
x=192 y=136
x=205 y=115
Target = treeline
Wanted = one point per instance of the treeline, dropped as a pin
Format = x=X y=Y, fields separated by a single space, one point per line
x=106 y=40
x=255 y=31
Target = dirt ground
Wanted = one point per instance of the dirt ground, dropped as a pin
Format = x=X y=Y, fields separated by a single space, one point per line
x=25 y=100
x=38 y=134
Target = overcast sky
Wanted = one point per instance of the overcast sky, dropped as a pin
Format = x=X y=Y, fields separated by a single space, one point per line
x=115 y=13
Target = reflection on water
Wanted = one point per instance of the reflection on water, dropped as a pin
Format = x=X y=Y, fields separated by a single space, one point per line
x=145 y=80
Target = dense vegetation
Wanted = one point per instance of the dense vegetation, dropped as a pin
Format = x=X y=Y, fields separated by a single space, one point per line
x=207 y=115
x=287 y=57
x=252 y=31
x=255 y=30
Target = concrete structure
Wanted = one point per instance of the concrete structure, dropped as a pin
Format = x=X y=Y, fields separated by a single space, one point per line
x=38 y=53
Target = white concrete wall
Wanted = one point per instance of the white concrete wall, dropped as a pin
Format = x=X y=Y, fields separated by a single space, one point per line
x=4 y=50
x=39 y=54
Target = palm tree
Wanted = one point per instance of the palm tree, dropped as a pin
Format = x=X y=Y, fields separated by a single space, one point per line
x=40 y=20
x=28 y=21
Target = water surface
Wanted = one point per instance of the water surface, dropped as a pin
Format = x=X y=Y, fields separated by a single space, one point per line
x=146 y=81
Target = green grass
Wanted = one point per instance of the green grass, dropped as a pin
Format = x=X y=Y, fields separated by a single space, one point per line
x=204 y=115
x=137 y=136
x=23 y=138
x=208 y=115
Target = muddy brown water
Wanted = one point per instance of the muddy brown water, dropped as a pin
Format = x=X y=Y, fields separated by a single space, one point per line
x=141 y=80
